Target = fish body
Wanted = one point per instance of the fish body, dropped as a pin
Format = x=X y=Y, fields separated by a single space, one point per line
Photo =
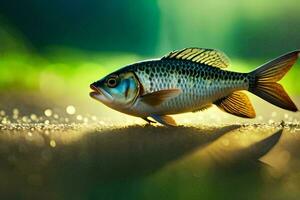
x=191 y=80
x=200 y=85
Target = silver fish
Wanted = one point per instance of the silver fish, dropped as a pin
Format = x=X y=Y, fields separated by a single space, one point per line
x=191 y=80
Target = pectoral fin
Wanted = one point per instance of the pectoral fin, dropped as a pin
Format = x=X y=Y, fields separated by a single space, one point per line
x=158 y=97
x=165 y=120
x=237 y=104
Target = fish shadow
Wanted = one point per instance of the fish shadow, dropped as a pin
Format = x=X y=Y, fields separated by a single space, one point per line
x=259 y=149
x=242 y=176
x=249 y=158
x=125 y=156
x=100 y=159
x=130 y=152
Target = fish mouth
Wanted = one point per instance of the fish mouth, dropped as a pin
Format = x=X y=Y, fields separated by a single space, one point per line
x=96 y=92
x=100 y=94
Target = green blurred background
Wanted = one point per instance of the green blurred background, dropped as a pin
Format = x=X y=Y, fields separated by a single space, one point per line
x=72 y=43
x=50 y=51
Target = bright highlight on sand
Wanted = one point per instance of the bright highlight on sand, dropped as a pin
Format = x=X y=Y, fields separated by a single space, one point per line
x=48 y=112
x=71 y=110
x=53 y=143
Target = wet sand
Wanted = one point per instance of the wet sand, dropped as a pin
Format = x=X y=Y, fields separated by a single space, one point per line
x=53 y=152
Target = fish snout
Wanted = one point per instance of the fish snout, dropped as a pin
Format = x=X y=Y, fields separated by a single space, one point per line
x=93 y=86
x=95 y=91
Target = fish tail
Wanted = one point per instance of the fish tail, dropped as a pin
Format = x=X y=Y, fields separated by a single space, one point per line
x=263 y=81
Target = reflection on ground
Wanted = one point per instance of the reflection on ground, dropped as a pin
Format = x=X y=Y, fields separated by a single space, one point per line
x=146 y=162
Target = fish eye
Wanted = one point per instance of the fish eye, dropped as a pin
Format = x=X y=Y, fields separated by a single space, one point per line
x=112 y=81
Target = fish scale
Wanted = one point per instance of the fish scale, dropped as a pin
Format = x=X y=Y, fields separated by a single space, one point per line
x=200 y=84
x=190 y=80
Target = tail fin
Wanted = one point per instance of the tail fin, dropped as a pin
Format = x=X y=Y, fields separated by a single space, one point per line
x=263 y=81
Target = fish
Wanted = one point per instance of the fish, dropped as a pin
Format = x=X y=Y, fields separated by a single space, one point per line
x=192 y=80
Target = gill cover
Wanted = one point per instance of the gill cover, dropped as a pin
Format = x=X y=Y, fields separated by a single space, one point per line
x=122 y=88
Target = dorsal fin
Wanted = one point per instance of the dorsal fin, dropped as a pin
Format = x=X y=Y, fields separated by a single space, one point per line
x=209 y=57
x=237 y=104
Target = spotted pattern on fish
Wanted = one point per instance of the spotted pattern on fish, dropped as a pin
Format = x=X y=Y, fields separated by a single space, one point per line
x=191 y=79
x=200 y=84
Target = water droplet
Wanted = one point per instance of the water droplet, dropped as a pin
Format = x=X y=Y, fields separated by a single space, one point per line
x=2 y=112
x=24 y=119
x=15 y=111
x=79 y=117
x=15 y=116
x=52 y=143
x=70 y=110
x=4 y=121
x=286 y=116
x=48 y=112
x=33 y=117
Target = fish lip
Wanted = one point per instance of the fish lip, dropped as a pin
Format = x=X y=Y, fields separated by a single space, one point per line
x=93 y=94
x=94 y=88
x=95 y=91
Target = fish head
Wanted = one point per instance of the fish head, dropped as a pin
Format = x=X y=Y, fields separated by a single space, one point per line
x=117 y=89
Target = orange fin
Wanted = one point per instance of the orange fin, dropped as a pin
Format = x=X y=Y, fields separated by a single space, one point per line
x=275 y=94
x=165 y=120
x=158 y=97
x=237 y=104
x=264 y=81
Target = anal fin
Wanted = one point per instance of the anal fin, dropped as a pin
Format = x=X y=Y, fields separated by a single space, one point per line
x=165 y=120
x=237 y=104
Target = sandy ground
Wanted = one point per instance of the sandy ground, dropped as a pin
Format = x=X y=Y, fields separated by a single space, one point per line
x=48 y=152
